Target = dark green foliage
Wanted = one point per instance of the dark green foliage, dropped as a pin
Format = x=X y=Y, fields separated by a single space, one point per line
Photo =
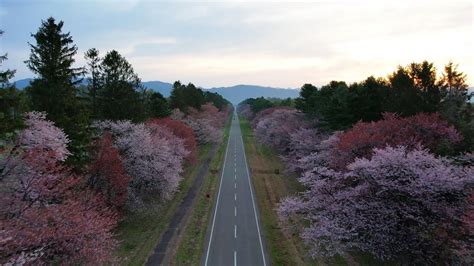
x=12 y=101
x=407 y=91
x=404 y=98
x=258 y=104
x=12 y=104
x=333 y=105
x=455 y=106
x=156 y=104
x=185 y=96
x=93 y=68
x=216 y=99
x=368 y=99
x=305 y=102
x=118 y=93
x=5 y=75
x=54 y=91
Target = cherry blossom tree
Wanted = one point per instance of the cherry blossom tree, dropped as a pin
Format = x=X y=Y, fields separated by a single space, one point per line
x=275 y=127
x=428 y=129
x=153 y=157
x=309 y=148
x=181 y=130
x=42 y=134
x=401 y=204
x=207 y=124
x=47 y=214
x=108 y=174
x=246 y=111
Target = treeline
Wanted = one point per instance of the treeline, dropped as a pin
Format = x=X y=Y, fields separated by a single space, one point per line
x=395 y=183
x=76 y=159
x=113 y=90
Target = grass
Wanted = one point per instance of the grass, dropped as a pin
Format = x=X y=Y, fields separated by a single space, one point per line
x=270 y=185
x=140 y=232
x=191 y=244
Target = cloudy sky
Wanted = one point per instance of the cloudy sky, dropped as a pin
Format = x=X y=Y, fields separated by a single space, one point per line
x=281 y=44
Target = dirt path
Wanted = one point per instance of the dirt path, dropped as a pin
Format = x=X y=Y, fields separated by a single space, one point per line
x=168 y=239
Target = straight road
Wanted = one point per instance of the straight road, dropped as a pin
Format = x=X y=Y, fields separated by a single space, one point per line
x=235 y=234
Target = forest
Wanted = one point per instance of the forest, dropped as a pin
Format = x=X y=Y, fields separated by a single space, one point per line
x=76 y=160
x=386 y=165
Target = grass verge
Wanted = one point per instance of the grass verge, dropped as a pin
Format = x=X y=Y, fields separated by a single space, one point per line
x=140 y=232
x=270 y=185
x=190 y=246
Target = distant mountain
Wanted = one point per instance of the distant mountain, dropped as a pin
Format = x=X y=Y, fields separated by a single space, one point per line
x=22 y=83
x=162 y=87
x=236 y=94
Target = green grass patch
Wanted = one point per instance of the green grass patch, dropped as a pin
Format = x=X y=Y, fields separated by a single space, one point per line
x=140 y=232
x=191 y=245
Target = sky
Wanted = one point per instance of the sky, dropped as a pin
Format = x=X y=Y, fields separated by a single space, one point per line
x=270 y=43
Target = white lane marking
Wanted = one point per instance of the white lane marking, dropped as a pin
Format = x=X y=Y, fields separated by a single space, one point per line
x=235 y=211
x=235 y=196
x=235 y=176
x=235 y=170
x=235 y=258
x=235 y=185
x=235 y=231
x=217 y=203
x=253 y=203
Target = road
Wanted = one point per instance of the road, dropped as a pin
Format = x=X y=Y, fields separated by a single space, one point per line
x=235 y=234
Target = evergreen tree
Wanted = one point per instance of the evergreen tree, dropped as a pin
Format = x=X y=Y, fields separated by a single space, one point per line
x=424 y=77
x=12 y=101
x=119 y=97
x=93 y=68
x=156 y=104
x=455 y=106
x=183 y=97
x=5 y=75
x=51 y=59
x=53 y=90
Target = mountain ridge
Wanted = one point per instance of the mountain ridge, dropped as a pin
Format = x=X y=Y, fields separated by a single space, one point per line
x=235 y=94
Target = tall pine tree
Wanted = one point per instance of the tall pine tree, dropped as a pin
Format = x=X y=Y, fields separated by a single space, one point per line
x=93 y=68
x=119 y=96
x=53 y=90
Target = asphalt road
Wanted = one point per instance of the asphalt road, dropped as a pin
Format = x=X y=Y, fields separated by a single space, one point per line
x=234 y=237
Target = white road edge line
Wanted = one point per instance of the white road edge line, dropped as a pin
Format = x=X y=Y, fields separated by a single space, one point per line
x=235 y=258
x=253 y=202
x=217 y=203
